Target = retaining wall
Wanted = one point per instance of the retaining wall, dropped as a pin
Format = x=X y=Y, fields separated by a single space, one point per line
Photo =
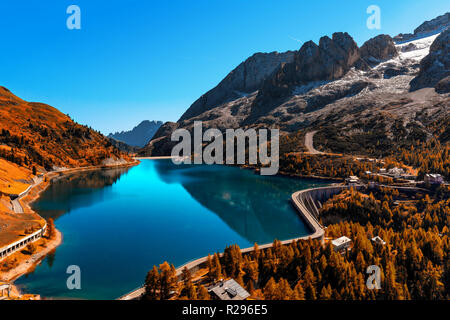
x=20 y=244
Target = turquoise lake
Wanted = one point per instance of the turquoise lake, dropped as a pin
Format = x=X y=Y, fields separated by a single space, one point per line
x=118 y=223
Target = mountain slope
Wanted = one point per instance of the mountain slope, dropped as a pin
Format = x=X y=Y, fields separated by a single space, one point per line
x=362 y=95
x=426 y=29
x=35 y=138
x=38 y=135
x=435 y=68
x=244 y=79
x=140 y=135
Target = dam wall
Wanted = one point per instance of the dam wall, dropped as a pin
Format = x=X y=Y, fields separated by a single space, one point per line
x=307 y=202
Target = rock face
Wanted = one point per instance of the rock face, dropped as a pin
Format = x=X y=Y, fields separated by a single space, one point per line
x=439 y=23
x=378 y=49
x=328 y=61
x=435 y=68
x=427 y=28
x=333 y=84
x=443 y=86
x=245 y=79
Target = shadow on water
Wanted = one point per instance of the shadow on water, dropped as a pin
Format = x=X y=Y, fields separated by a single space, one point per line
x=256 y=207
x=247 y=207
x=76 y=190
x=157 y=212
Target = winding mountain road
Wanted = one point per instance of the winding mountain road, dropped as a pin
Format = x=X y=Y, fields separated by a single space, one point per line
x=17 y=207
x=309 y=143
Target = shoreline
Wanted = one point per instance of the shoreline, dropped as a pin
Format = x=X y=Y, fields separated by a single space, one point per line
x=317 y=232
x=26 y=266
x=256 y=170
x=154 y=158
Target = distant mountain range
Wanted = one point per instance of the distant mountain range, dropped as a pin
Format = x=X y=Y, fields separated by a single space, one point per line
x=140 y=135
x=388 y=90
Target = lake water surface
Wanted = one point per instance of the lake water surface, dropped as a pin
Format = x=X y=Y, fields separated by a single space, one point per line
x=118 y=223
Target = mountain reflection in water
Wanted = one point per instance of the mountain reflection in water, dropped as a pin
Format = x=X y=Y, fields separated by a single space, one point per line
x=77 y=190
x=118 y=223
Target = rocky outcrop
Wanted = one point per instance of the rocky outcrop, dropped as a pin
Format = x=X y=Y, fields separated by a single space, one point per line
x=435 y=67
x=438 y=23
x=427 y=28
x=165 y=130
x=443 y=86
x=318 y=101
x=378 y=49
x=358 y=92
x=245 y=79
x=330 y=60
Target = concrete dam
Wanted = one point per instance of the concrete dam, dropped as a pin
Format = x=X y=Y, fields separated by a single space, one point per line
x=307 y=202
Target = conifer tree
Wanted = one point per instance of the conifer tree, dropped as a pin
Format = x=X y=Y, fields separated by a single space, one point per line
x=299 y=292
x=202 y=293
x=167 y=280
x=152 y=284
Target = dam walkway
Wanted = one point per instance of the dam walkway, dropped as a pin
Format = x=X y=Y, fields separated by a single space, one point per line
x=307 y=202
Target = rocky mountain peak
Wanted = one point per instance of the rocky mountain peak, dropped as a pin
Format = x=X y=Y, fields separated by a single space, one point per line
x=332 y=83
x=435 y=68
x=378 y=49
x=437 y=24
x=428 y=28
x=244 y=79
x=140 y=135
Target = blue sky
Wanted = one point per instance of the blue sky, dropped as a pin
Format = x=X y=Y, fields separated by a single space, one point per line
x=143 y=59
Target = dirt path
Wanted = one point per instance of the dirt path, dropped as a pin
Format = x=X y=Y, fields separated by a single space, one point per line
x=16 y=206
x=309 y=143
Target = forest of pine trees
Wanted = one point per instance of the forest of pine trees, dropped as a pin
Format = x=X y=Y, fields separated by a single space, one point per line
x=414 y=263
x=325 y=165
x=429 y=157
x=80 y=143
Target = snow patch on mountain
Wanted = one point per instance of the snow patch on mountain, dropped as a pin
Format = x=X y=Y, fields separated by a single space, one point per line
x=301 y=90
x=416 y=49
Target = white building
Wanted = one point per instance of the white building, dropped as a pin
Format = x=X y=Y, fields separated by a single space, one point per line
x=228 y=290
x=378 y=240
x=434 y=178
x=341 y=243
x=396 y=172
x=352 y=179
